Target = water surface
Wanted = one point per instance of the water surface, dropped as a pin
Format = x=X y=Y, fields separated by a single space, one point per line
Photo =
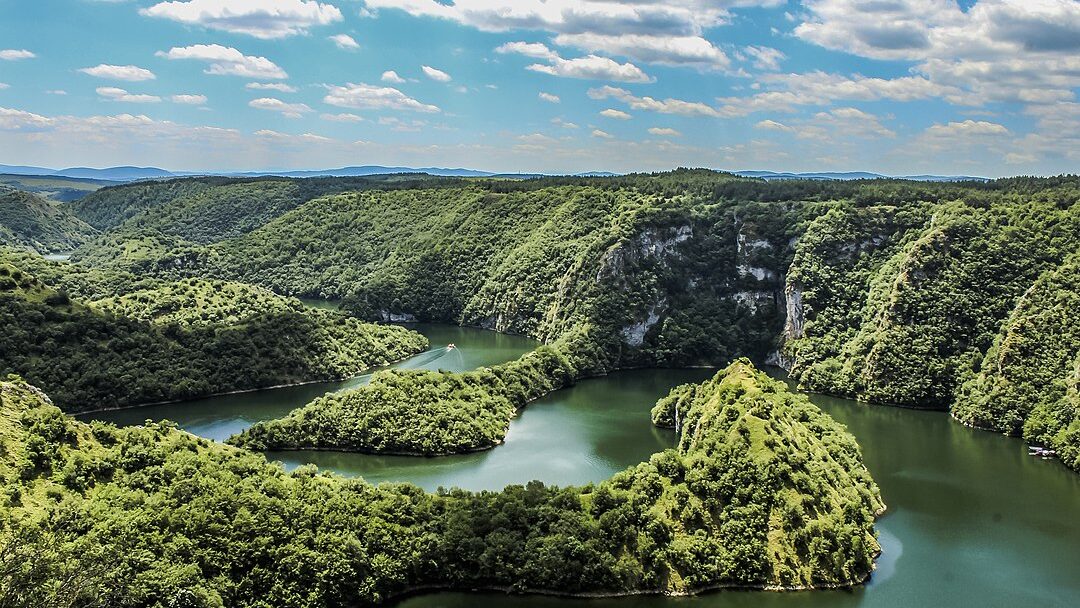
x=972 y=520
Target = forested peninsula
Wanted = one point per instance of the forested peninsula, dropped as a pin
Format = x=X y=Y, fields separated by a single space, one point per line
x=763 y=491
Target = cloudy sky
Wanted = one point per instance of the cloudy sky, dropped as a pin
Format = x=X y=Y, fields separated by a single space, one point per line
x=985 y=87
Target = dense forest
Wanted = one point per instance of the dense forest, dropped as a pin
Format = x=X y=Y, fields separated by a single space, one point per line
x=763 y=490
x=150 y=340
x=890 y=291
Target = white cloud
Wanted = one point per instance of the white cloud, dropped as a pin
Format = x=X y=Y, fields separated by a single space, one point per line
x=288 y=110
x=23 y=121
x=392 y=77
x=4 y=85
x=664 y=132
x=666 y=106
x=370 y=97
x=225 y=60
x=1003 y=50
x=967 y=128
x=281 y=87
x=834 y=127
x=592 y=67
x=528 y=49
x=821 y=87
x=402 y=126
x=764 y=57
x=344 y=117
x=434 y=74
x=130 y=73
x=601 y=134
x=191 y=100
x=265 y=19
x=56 y=92
x=548 y=97
x=652 y=31
x=344 y=41
x=15 y=54
x=117 y=94
x=616 y=114
x=691 y=51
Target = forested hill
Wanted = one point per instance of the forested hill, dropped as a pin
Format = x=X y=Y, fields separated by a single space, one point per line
x=890 y=291
x=98 y=339
x=764 y=491
x=28 y=221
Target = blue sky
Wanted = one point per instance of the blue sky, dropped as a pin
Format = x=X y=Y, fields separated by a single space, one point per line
x=894 y=86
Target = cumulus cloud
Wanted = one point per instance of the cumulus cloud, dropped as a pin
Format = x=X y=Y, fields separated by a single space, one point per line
x=15 y=54
x=601 y=134
x=392 y=77
x=371 y=97
x=650 y=31
x=225 y=60
x=833 y=127
x=616 y=114
x=343 y=117
x=344 y=41
x=967 y=128
x=528 y=49
x=191 y=100
x=265 y=19
x=1009 y=50
x=117 y=94
x=288 y=110
x=4 y=85
x=281 y=87
x=692 y=51
x=764 y=57
x=434 y=74
x=23 y=121
x=130 y=73
x=591 y=67
x=664 y=132
x=665 y=106
x=548 y=97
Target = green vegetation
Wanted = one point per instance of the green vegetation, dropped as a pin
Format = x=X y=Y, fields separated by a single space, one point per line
x=163 y=341
x=30 y=222
x=1027 y=382
x=888 y=291
x=764 y=490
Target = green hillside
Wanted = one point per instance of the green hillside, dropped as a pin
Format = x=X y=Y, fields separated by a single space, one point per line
x=174 y=341
x=28 y=221
x=764 y=490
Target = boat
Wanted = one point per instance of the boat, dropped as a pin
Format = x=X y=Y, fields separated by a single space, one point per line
x=450 y=346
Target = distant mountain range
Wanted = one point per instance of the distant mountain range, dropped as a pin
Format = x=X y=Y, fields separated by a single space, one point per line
x=129 y=174
x=826 y=175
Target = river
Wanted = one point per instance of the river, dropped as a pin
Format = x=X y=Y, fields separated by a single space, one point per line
x=972 y=520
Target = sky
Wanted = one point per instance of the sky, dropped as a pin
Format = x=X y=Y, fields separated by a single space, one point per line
x=900 y=87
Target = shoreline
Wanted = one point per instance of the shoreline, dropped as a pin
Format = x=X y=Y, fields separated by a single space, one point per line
x=421 y=590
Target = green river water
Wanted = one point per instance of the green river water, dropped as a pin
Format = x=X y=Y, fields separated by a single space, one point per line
x=972 y=519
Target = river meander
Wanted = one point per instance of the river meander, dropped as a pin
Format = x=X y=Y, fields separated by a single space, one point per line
x=972 y=520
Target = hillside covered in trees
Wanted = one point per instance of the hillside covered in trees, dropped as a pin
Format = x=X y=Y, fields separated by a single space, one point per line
x=889 y=291
x=763 y=491
x=150 y=340
x=29 y=221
